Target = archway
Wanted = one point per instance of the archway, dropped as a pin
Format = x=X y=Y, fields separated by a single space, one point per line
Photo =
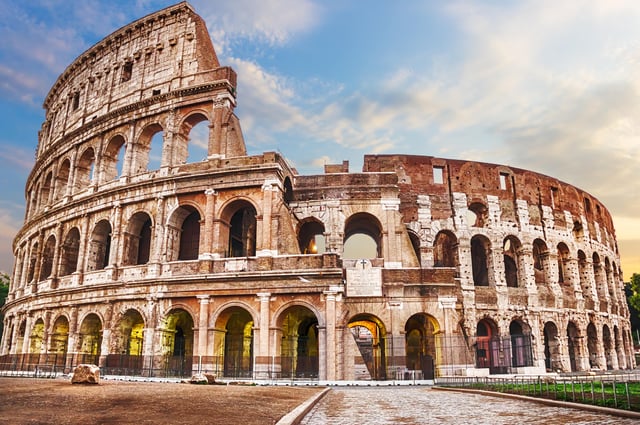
x=242 y=229
x=299 y=345
x=521 y=353
x=592 y=346
x=311 y=237
x=138 y=239
x=573 y=345
x=177 y=343
x=551 y=348
x=445 y=250
x=59 y=341
x=370 y=336
x=480 y=253
x=489 y=350
x=36 y=338
x=237 y=350
x=608 y=346
x=90 y=339
x=128 y=342
x=70 y=250
x=420 y=344
x=100 y=246
x=362 y=237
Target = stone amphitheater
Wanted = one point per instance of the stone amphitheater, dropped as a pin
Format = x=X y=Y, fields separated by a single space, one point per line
x=144 y=258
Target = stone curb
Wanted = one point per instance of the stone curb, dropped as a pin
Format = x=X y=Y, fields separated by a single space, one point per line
x=295 y=416
x=557 y=403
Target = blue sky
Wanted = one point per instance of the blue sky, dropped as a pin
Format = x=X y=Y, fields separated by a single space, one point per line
x=551 y=86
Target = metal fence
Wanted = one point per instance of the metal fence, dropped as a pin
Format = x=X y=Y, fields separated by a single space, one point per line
x=620 y=391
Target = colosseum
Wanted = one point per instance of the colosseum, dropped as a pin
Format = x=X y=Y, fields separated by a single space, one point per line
x=143 y=260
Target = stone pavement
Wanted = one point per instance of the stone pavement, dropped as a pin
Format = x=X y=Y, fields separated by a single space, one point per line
x=421 y=405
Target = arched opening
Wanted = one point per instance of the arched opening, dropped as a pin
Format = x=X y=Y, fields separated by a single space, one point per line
x=70 y=250
x=489 y=350
x=445 y=250
x=573 y=345
x=237 y=354
x=47 y=258
x=197 y=127
x=33 y=259
x=563 y=263
x=311 y=237
x=587 y=290
x=521 y=352
x=551 y=348
x=99 y=246
x=90 y=339
x=510 y=253
x=148 y=150
x=592 y=346
x=127 y=343
x=45 y=191
x=415 y=244
x=370 y=337
x=138 y=239
x=480 y=252
x=177 y=343
x=183 y=234
x=60 y=340
x=540 y=254
x=608 y=346
x=242 y=230
x=62 y=179
x=362 y=237
x=600 y=278
x=36 y=339
x=420 y=344
x=619 y=347
x=299 y=346
x=477 y=214
x=113 y=159
x=288 y=190
x=84 y=169
x=22 y=331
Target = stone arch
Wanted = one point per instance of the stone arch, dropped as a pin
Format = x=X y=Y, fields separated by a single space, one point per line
x=611 y=284
x=69 y=252
x=177 y=341
x=609 y=347
x=99 y=246
x=33 y=261
x=46 y=189
x=564 y=258
x=36 y=338
x=592 y=346
x=478 y=214
x=311 y=239
x=585 y=281
x=362 y=236
x=235 y=349
x=370 y=335
x=137 y=242
x=62 y=178
x=193 y=146
x=511 y=254
x=420 y=344
x=148 y=149
x=574 y=339
x=90 y=338
x=488 y=345
x=480 y=259
x=48 y=253
x=552 y=355
x=183 y=233
x=85 y=169
x=299 y=347
x=240 y=217
x=59 y=341
x=521 y=347
x=113 y=158
x=541 y=267
x=128 y=335
x=600 y=277
x=445 y=249
x=288 y=190
x=414 y=238
x=22 y=334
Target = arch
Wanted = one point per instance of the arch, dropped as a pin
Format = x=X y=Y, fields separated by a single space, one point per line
x=45 y=190
x=183 y=234
x=477 y=214
x=552 y=360
x=488 y=346
x=600 y=277
x=90 y=339
x=33 y=259
x=585 y=282
x=148 y=150
x=445 y=249
x=370 y=336
x=521 y=350
x=62 y=179
x=137 y=243
x=608 y=346
x=299 y=349
x=311 y=237
x=99 y=246
x=22 y=333
x=70 y=250
x=47 y=258
x=511 y=256
x=362 y=237
x=177 y=341
x=242 y=226
x=420 y=343
x=415 y=244
x=480 y=254
x=113 y=158
x=540 y=254
x=563 y=263
x=573 y=345
x=84 y=169
x=592 y=346
x=59 y=344
x=36 y=338
x=196 y=130
x=236 y=351
x=288 y=190
x=128 y=334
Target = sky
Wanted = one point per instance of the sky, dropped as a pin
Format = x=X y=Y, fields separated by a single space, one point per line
x=549 y=86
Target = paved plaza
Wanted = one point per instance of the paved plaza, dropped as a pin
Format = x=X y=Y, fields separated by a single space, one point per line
x=421 y=405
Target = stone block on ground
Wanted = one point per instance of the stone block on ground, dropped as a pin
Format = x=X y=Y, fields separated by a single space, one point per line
x=86 y=374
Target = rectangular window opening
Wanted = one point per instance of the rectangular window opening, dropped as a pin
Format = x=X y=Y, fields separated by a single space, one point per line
x=503 y=181
x=438 y=175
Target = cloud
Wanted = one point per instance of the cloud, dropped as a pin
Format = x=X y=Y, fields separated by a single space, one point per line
x=17 y=156
x=10 y=222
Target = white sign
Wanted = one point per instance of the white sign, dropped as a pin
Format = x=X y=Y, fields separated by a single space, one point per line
x=363 y=280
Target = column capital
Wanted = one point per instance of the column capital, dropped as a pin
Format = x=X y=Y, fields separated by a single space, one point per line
x=211 y=192
x=264 y=296
x=203 y=299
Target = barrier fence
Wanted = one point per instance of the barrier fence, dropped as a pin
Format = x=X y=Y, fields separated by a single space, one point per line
x=620 y=391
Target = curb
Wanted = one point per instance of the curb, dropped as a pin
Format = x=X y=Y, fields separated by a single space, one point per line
x=295 y=416
x=557 y=403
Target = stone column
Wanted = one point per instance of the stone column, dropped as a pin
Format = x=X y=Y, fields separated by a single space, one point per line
x=203 y=325
x=330 y=359
x=105 y=348
x=27 y=334
x=392 y=246
x=72 y=337
x=264 y=226
x=261 y=343
x=157 y=255
x=323 y=363
x=209 y=214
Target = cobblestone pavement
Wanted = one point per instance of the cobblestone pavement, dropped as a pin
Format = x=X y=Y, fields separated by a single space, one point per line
x=420 y=405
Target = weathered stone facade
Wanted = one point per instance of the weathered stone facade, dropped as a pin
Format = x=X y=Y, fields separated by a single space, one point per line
x=237 y=265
